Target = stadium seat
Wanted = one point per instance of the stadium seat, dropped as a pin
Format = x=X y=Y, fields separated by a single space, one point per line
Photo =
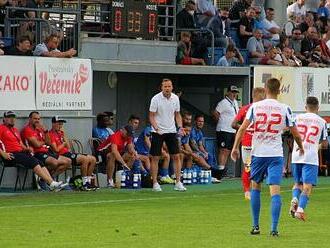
x=218 y=53
x=18 y=179
x=211 y=148
x=234 y=37
x=77 y=147
x=93 y=144
x=245 y=55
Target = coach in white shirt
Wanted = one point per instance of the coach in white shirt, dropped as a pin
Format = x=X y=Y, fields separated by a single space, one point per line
x=164 y=111
x=225 y=113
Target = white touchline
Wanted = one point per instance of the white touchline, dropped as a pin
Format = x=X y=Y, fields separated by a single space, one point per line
x=128 y=200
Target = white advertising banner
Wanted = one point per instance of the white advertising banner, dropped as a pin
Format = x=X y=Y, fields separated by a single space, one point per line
x=63 y=84
x=297 y=84
x=17 y=91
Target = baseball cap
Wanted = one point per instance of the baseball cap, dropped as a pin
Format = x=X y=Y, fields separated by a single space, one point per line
x=9 y=114
x=56 y=118
x=129 y=129
x=232 y=88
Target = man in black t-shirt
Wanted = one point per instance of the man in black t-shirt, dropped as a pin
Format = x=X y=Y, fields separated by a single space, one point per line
x=246 y=25
x=23 y=47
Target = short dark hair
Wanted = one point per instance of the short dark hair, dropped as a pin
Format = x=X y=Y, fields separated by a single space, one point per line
x=190 y=2
x=33 y=112
x=225 y=8
x=273 y=85
x=108 y=113
x=270 y=9
x=100 y=117
x=133 y=117
x=312 y=102
x=186 y=113
x=198 y=116
x=23 y=38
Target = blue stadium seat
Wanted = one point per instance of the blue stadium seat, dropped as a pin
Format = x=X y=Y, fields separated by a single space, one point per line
x=211 y=147
x=218 y=53
x=245 y=54
x=8 y=41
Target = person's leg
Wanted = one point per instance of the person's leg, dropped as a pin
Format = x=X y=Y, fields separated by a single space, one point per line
x=155 y=152
x=177 y=167
x=91 y=165
x=43 y=173
x=297 y=187
x=83 y=162
x=276 y=205
x=255 y=205
x=246 y=183
x=52 y=165
x=145 y=162
x=154 y=168
x=111 y=160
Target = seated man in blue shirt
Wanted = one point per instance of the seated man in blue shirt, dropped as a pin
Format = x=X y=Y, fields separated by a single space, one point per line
x=142 y=146
x=101 y=131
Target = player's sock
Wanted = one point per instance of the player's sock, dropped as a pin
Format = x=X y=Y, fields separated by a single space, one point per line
x=296 y=193
x=84 y=180
x=221 y=167
x=303 y=200
x=276 y=210
x=163 y=172
x=255 y=206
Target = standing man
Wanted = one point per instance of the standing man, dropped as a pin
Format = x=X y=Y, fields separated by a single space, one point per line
x=270 y=118
x=258 y=94
x=312 y=129
x=164 y=111
x=225 y=113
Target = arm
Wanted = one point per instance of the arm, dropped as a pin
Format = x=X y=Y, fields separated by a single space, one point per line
x=35 y=143
x=118 y=157
x=147 y=141
x=239 y=56
x=57 y=54
x=243 y=32
x=216 y=115
x=5 y=155
x=235 y=124
x=297 y=138
x=238 y=138
x=153 y=120
x=178 y=119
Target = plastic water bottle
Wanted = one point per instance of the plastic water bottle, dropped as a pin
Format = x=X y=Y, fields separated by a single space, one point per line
x=118 y=178
x=194 y=175
x=185 y=176
x=210 y=176
x=202 y=177
x=123 y=179
x=189 y=176
x=135 y=181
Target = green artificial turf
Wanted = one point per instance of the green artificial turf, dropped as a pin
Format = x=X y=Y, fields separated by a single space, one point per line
x=204 y=216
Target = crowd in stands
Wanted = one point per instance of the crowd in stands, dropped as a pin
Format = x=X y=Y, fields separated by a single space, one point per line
x=248 y=27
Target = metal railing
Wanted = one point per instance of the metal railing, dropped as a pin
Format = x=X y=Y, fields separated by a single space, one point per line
x=66 y=23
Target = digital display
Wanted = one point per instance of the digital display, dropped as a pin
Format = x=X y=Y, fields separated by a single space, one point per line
x=131 y=18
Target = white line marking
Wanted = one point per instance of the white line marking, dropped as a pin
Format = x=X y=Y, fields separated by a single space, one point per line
x=128 y=200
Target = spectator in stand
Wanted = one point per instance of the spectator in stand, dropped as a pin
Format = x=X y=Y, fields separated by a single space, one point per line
x=271 y=29
x=297 y=8
x=219 y=25
x=259 y=19
x=295 y=42
x=101 y=130
x=184 y=51
x=224 y=114
x=288 y=53
x=60 y=144
x=293 y=22
x=23 y=47
x=273 y=57
x=284 y=42
x=110 y=122
x=118 y=147
x=186 y=118
x=205 y=11
x=310 y=41
x=322 y=11
x=237 y=11
x=49 y=48
x=255 y=47
x=327 y=5
x=185 y=18
x=34 y=134
x=246 y=26
x=231 y=58
x=308 y=22
x=312 y=6
x=14 y=151
x=3 y=5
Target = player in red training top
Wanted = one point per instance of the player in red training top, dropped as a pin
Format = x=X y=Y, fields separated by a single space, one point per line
x=258 y=94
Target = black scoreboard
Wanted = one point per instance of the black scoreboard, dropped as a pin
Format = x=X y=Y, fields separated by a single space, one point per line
x=134 y=18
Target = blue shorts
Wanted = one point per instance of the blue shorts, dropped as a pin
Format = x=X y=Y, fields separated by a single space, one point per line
x=305 y=173
x=271 y=167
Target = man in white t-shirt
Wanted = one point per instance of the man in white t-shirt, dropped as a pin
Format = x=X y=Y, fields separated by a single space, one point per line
x=164 y=111
x=271 y=29
x=270 y=118
x=312 y=129
x=225 y=113
x=297 y=8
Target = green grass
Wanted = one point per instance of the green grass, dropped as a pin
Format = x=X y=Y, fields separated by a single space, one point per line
x=204 y=216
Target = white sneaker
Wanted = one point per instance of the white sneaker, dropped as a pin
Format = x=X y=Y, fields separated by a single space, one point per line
x=156 y=187
x=179 y=187
x=57 y=186
x=215 y=180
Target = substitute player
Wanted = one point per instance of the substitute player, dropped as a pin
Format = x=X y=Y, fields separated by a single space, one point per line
x=258 y=94
x=270 y=118
x=312 y=129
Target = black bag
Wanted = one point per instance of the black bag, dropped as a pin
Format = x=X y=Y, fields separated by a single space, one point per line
x=76 y=182
x=146 y=181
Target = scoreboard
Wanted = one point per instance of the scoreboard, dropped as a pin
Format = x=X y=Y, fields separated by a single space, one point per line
x=134 y=18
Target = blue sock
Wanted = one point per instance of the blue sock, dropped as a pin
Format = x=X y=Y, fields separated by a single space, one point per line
x=303 y=200
x=255 y=206
x=163 y=172
x=276 y=211
x=296 y=193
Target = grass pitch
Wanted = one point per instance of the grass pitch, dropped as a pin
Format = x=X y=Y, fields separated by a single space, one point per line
x=204 y=216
